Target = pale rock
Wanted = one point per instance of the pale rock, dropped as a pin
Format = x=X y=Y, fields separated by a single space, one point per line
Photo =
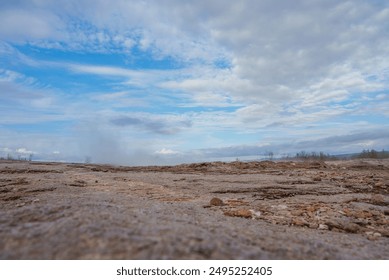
x=255 y=214
x=322 y=227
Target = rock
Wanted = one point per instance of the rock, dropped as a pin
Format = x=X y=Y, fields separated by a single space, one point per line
x=243 y=213
x=236 y=202
x=347 y=212
x=280 y=207
x=385 y=232
x=379 y=184
x=350 y=227
x=299 y=222
x=343 y=225
x=313 y=225
x=363 y=214
x=255 y=214
x=311 y=208
x=322 y=227
x=373 y=235
x=316 y=179
x=216 y=202
x=78 y=183
x=297 y=212
x=378 y=199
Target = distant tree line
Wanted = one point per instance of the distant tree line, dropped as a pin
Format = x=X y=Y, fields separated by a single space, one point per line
x=303 y=155
x=316 y=156
x=373 y=154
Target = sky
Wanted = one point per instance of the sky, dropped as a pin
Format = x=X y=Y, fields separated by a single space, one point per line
x=164 y=82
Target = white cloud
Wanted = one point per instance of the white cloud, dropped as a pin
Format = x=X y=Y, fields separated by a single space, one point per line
x=16 y=87
x=162 y=124
x=165 y=151
x=139 y=78
x=276 y=49
x=36 y=24
x=9 y=76
x=102 y=70
x=6 y=150
x=24 y=151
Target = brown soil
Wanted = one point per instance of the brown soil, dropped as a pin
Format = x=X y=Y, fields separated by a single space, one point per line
x=255 y=210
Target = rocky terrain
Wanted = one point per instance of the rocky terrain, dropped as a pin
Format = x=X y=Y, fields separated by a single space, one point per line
x=238 y=210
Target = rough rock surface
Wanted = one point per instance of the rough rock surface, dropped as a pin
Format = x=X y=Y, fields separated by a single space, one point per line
x=263 y=210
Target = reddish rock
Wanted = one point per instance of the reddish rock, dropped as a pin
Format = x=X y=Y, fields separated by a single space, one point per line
x=243 y=213
x=216 y=202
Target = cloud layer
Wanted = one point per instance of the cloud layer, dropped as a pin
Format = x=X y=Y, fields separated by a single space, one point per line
x=193 y=80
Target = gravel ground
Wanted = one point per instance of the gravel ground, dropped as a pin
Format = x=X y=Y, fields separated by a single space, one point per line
x=255 y=210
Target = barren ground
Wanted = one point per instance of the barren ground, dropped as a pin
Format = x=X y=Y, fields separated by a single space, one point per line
x=263 y=210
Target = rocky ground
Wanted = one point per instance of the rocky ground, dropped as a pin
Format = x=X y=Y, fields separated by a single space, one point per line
x=255 y=210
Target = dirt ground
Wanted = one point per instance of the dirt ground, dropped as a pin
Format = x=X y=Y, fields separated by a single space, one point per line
x=238 y=210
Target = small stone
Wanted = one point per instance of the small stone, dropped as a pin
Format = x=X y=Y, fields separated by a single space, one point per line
x=378 y=199
x=313 y=225
x=347 y=212
x=236 y=202
x=216 y=202
x=280 y=207
x=322 y=227
x=297 y=212
x=317 y=179
x=300 y=222
x=311 y=208
x=342 y=225
x=243 y=213
x=363 y=214
x=255 y=214
x=373 y=235
x=379 y=184
x=385 y=233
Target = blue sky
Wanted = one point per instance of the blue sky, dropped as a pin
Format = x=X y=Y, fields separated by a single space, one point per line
x=162 y=82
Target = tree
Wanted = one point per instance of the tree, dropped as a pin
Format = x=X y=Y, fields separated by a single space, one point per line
x=270 y=155
x=88 y=159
